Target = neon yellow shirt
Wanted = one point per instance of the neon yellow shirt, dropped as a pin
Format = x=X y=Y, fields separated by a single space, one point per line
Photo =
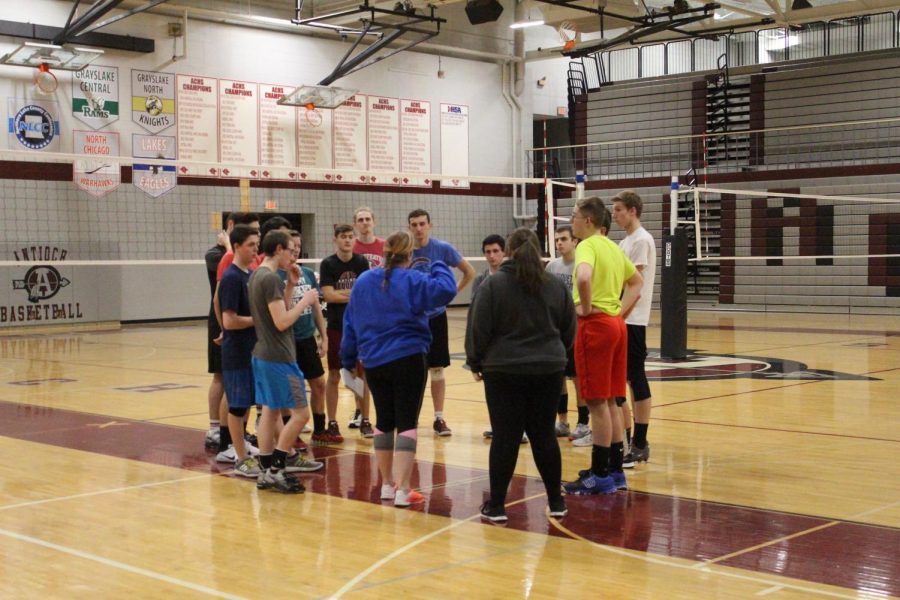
x=611 y=269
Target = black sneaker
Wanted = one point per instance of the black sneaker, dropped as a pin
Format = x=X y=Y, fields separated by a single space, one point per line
x=558 y=508
x=492 y=513
x=355 y=421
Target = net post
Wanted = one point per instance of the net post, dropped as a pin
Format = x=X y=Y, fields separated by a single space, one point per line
x=673 y=292
x=673 y=205
x=550 y=223
x=697 y=223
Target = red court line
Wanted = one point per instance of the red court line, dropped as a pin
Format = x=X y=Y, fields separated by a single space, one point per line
x=654 y=523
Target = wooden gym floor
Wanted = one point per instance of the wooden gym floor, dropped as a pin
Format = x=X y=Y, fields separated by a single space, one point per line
x=773 y=473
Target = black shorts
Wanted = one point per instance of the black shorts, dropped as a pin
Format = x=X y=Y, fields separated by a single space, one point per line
x=308 y=358
x=637 y=355
x=213 y=350
x=439 y=352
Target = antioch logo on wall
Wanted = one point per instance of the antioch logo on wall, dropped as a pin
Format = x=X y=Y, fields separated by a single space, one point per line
x=42 y=282
x=153 y=100
x=95 y=95
x=154 y=180
x=33 y=124
x=101 y=175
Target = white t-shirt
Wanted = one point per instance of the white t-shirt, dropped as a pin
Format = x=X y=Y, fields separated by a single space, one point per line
x=641 y=250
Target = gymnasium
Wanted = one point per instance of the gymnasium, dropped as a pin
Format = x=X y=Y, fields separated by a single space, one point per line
x=763 y=137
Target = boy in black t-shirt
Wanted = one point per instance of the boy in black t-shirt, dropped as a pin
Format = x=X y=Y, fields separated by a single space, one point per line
x=337 y=274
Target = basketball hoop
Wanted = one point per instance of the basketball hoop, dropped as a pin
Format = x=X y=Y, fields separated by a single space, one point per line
x=316 y=96
x=44 y=81
x=568 y=33
x=313 y=115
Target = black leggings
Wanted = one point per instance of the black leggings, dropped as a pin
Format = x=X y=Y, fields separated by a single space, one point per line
x=518 y=403
x=397 y=391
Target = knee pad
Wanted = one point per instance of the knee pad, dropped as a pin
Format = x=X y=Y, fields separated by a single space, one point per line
x=238 y=412
x=437 y=373
x=640 y=389
x=383 y=440
x=407 y=441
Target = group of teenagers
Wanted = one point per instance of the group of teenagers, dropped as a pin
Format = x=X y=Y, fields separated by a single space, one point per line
x=385 y=330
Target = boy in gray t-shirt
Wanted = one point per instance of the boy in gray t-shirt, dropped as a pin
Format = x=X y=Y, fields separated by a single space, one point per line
x=279 y=383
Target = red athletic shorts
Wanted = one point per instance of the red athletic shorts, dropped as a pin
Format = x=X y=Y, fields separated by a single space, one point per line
x=601 y=356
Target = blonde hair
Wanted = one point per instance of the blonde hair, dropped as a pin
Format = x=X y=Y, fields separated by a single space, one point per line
x=398 y=248
x=363 y=209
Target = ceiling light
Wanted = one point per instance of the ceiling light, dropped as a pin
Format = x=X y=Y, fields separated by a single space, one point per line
x=524 y=24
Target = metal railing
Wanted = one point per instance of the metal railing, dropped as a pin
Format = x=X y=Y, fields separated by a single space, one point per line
x=848 y=143
x=814 y=40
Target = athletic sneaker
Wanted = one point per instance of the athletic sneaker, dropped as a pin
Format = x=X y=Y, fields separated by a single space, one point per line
x=440 y=428
x=388 y=491
x=493 y=514
x=524 y=439
x=307 y=428
x=355 y=421
x=557 y=508
x=590 y=485
x=211 y=439
x=580 y=431
x=299 y=464
x=403 y=498
x=332 y=435
x=562 y=430
x=640 y=455
x=249 y=467
x=300 y=445
x=251 y=439
x=619 y=479
x=583 y=441
x=280 y=482
x=628 y=461
x=365 y=429
x=230 y=456
x=487 y=434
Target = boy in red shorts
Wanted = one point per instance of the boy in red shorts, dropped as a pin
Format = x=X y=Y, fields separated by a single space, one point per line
x=601 y=342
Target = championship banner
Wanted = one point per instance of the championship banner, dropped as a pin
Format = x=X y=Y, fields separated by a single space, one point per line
x=152 y=100
x=33 y=124
x=95 y=95
x=153 y=146
x=98 y=176
x=154 y=180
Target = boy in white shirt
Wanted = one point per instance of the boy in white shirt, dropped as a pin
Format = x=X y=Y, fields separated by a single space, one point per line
x=640 y=248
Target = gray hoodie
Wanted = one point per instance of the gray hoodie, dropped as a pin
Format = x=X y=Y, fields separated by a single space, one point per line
x=512 y=331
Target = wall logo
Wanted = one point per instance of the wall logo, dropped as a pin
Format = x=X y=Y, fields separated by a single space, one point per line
x=41 y=282
x=34 y=127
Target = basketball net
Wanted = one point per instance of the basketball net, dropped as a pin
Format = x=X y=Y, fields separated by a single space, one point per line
x=568 y=33
x=44 y=81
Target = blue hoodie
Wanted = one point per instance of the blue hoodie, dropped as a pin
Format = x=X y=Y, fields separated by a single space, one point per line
x=382 y=325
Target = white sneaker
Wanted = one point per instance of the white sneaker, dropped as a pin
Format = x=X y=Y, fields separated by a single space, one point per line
x=584 y=441
x=307 y=428
x=524 y=438
x=581 y=430
x=228 y=455
x=211 y=440
x=388 y=491
x=403 y=498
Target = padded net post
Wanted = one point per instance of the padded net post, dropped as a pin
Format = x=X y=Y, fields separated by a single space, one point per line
x=673 y=295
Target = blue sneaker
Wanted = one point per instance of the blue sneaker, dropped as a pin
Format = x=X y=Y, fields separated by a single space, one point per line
x=619 y=478
x=590 y=484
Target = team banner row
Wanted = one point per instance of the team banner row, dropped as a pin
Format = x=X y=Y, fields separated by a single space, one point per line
x=234 y=126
